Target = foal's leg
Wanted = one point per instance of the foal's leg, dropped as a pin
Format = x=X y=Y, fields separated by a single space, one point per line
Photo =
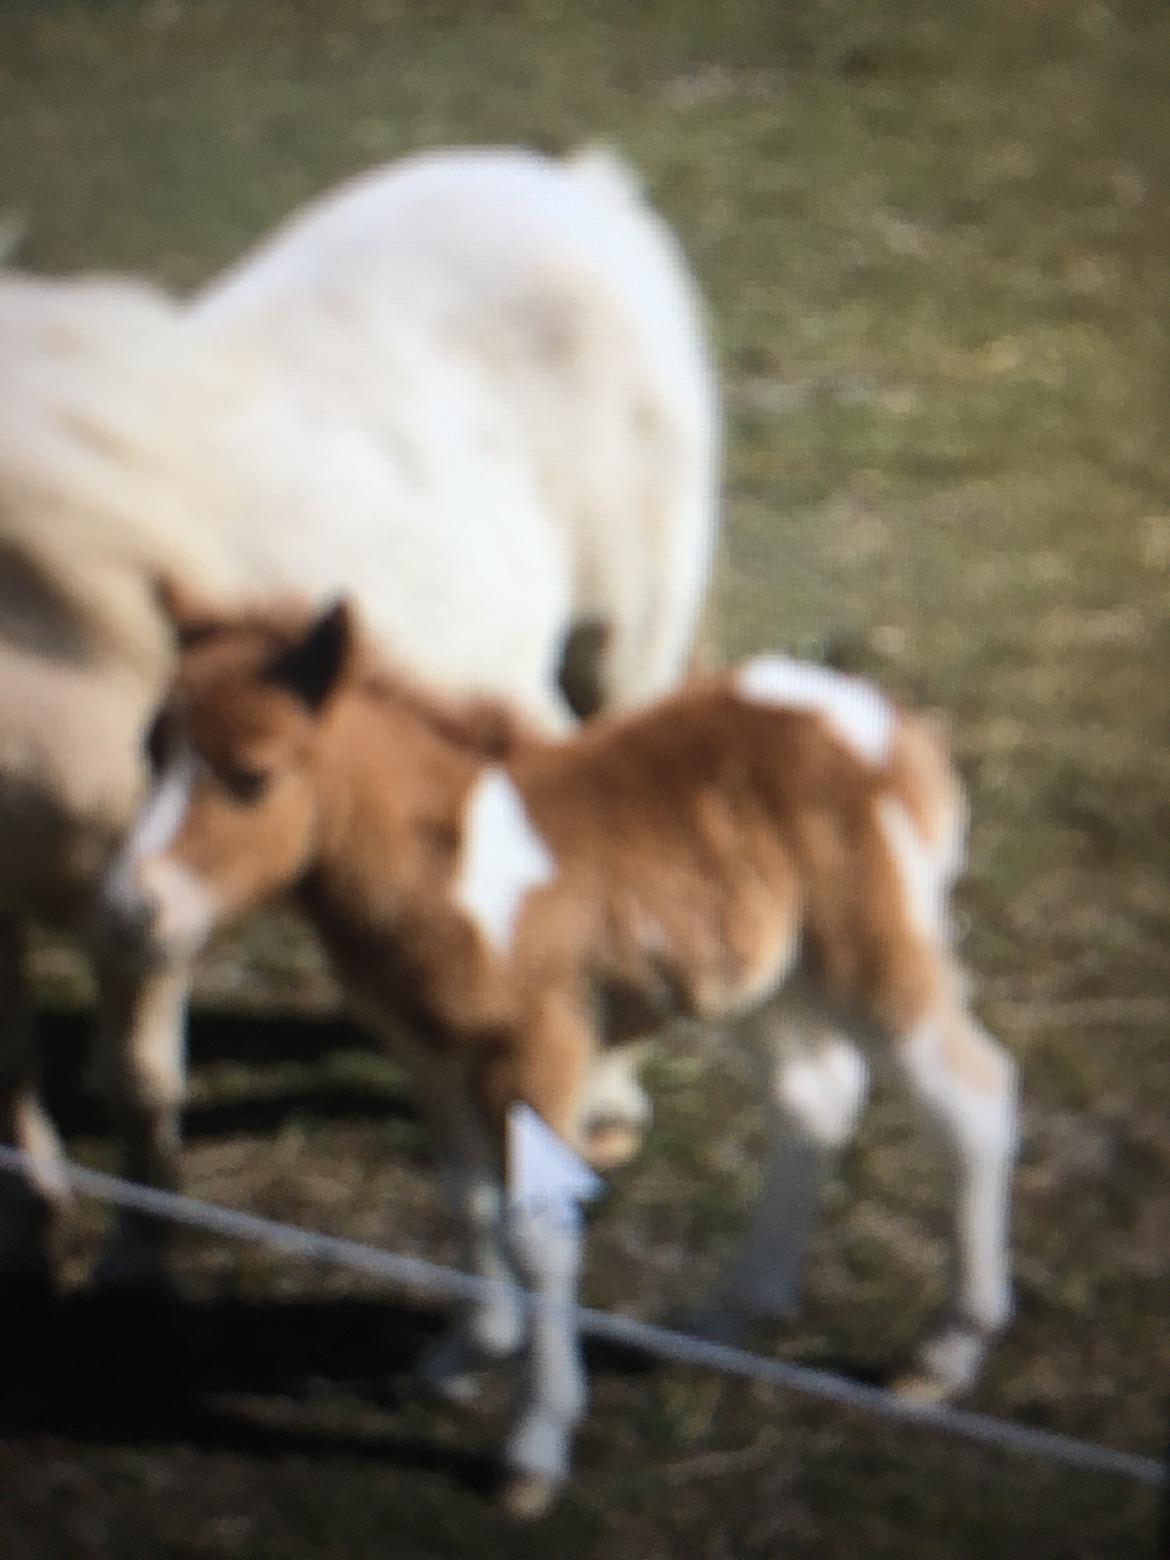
x=966 y=1083
x=817 y=1085
x=142 y=1067
x=547 y=1070
x=546 y=1244
x=492 y=1328
x=25 y=1202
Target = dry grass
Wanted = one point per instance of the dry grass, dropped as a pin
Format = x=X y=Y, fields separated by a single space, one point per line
x=934 y=240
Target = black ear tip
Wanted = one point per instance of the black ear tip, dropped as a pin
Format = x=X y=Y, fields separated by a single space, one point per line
x=339 y=616
x=336 y=627
x=313 y=666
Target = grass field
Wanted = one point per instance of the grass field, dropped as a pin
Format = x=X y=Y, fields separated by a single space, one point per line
x=934 y=239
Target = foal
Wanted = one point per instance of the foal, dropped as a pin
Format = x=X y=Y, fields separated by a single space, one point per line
x=774 y=845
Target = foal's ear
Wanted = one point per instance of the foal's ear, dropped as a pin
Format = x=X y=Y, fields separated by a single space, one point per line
x=188 y=613
x=313 y=667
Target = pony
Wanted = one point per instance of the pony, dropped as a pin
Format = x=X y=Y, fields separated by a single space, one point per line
x=773 y=847
x=471 y=389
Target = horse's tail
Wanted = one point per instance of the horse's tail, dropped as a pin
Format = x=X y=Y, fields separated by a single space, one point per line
x=604 y=171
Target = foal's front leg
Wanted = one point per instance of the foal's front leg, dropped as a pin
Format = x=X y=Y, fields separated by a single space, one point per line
x=491 y=1328
x=547 y=1069
x=547 y=1247
x=515 y=1244
x=142 y=1068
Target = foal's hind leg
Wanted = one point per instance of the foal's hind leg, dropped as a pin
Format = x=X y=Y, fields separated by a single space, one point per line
x=966 y=1083
x=25 y=1201
x=816 y=1087
x=142 y=1067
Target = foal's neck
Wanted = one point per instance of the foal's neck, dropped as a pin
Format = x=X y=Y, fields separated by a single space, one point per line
x=395 y=768
x=393 y=788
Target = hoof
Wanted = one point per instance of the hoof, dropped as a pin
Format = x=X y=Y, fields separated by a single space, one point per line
x=947 y=1365
x=525 y=1497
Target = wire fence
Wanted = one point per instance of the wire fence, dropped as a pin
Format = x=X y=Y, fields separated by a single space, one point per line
x=427 y=1279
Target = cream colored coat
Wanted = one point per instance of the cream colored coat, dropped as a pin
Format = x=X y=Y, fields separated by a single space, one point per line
x=470 y=390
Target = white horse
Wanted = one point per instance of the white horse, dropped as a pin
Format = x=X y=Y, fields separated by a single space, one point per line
x=472 y=390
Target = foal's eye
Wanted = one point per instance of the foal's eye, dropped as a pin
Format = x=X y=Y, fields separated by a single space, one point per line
x=245 y=785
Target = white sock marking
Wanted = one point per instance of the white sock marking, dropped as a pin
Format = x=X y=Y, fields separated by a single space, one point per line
x=980 y=1129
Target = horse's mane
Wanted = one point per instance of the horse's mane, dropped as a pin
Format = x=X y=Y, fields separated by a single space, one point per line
x=103 y=391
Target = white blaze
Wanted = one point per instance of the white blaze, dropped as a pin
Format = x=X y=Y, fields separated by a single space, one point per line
x=159 y=821
x=185 y=910
x=858 y=713
x=165 y=808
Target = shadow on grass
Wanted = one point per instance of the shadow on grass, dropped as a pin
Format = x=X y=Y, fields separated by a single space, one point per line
x=175 y=1372
x=329 y=1376
x=243 y=1039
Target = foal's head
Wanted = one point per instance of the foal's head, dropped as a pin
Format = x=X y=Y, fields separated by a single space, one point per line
x=230 y=817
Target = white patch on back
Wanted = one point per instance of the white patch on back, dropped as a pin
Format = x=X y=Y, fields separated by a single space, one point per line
x=503 y=858
x=858 y=713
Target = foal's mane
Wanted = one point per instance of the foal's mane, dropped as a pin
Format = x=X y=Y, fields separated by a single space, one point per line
x=476 y=724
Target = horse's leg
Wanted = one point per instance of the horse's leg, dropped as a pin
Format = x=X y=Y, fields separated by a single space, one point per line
x=142 y=1068
x=25 y=1201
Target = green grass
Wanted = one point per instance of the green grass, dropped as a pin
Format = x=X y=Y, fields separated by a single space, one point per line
x=934 y=242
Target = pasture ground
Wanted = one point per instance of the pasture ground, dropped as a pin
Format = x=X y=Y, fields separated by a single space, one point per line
x=935 y=239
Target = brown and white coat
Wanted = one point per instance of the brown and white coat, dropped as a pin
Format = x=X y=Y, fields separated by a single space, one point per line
x=774 y=845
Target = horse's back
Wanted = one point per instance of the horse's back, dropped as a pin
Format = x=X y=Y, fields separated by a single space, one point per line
x=552 y=308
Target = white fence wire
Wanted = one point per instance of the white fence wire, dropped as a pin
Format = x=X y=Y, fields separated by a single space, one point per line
x=424 y=1278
